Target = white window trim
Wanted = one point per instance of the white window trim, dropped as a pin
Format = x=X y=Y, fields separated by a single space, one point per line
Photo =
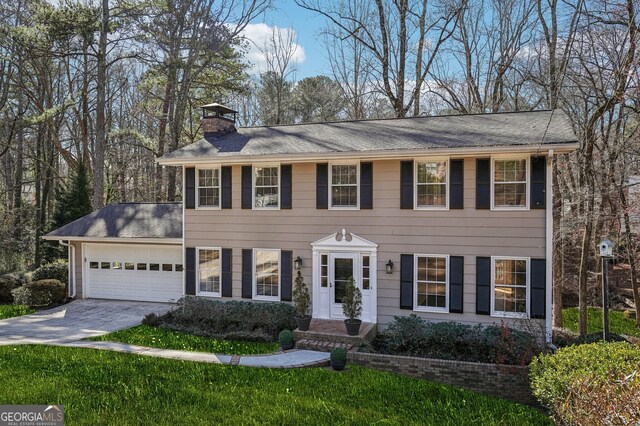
x=255 y=276
x=330 y=186
x=208 y=293
x=417 y=308
x=415 y=182
x=253 y=186
x=219 y=206
x=501 y=314
x=527 y=177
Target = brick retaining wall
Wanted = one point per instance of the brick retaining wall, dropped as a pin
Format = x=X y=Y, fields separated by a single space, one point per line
x=504 y=381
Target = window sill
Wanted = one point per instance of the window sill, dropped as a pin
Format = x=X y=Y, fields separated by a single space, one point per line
x=431 y=310
x=438 y=208
x=266 y=208
x=344 y=208
x=509 y=315
x=266 y=298
x=207 y=208
x=510 y=208
x=208 y=294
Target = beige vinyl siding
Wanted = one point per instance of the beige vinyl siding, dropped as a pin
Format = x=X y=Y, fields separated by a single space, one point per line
x=468 y=232
x=78 y=268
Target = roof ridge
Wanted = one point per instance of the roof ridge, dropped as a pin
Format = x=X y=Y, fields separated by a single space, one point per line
x=397 y=118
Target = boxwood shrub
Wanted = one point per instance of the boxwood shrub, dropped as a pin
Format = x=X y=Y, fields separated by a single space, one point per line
x=40 y=293
x=413 y=336
x=58 y=270
x=596 y=383
x=236 y=320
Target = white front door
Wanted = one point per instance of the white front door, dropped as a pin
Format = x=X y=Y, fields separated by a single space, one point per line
x=342 y=267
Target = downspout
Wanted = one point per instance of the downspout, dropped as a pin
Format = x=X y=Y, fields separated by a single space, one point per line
x=71 y=254
x=549 y=248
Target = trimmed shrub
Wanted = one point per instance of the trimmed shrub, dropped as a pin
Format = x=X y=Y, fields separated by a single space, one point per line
x=595 y=383
x=7 y=285
x=40 y=293
x=58 y=270
x=285 y=337
x=499 y=344
x=338 y=355
x=216 y=318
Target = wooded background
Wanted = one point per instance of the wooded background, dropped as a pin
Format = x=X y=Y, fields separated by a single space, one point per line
x=112 y=85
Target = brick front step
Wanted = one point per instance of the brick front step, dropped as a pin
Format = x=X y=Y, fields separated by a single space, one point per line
x=322 y=346
x=334 y=331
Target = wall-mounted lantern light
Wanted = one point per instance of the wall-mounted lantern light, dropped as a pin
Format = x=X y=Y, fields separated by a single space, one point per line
x=389 y=267
x=297 y=263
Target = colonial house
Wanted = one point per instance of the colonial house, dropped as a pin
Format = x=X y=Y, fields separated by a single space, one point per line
x=447 y=217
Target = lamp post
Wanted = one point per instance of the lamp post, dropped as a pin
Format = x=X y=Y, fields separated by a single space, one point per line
x=606 y=253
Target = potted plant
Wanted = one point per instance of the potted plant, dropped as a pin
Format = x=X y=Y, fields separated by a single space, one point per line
x=301 y=301
x=286 y=340
x=352 y=308
x=338 y=359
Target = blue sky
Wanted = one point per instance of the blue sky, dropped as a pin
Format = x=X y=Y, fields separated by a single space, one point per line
x=307 y=27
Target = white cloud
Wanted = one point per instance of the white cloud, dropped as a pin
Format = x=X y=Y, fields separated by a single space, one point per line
x=258 y=35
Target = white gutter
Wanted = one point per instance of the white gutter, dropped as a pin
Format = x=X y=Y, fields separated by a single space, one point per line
x=119 y=240
x=549 y=247
x=368 y=155
x=71 y=279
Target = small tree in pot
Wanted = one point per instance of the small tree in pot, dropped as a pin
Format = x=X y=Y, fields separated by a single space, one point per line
x=352 y=308
x=301 y=301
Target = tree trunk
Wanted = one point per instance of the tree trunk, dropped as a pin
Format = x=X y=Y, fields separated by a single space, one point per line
x=101 y=123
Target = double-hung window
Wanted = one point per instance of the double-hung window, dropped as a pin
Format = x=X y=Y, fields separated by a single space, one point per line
x=344 y=182
x=266 y=267
x=510 y=183
x=209 y=188
x=431 y=283
x=209 y=271
x=510 y=286
x=266 y=187
x=432 y=177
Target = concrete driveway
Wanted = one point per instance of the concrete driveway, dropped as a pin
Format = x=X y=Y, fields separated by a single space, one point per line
x=76 y=320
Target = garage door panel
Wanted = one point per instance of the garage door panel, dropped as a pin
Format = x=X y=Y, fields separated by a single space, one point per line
x=134 y=272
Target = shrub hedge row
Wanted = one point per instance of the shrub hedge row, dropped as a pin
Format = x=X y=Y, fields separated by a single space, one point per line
x=40 y=293
x=235 y=320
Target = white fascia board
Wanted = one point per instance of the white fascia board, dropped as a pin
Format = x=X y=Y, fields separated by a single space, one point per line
x=372 y=155
x=177 y=241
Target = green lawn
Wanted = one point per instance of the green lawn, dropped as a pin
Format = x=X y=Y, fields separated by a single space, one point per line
x=154 y=337
x=9 y=311
x=102 y=387
x=618 y=323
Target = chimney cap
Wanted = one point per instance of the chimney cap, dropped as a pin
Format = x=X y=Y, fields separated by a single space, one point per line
x=218 y=108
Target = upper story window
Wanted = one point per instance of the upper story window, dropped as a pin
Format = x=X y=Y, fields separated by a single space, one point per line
x=431 y=283
x=208 y=271
x=344 y=185
x=510 y=183
x=266 y=187
x=266 y=274
x=510 y=287
x=209 y=188
x=431 y=184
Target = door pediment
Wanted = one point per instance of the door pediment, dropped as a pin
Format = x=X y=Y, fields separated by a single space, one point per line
x=344 y=241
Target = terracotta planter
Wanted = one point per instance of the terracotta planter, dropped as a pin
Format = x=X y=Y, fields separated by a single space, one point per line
x=353 y=326
x=303 y=322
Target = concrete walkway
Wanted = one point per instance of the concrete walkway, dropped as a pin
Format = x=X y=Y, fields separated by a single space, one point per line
x=68 y=324
x=289 y=359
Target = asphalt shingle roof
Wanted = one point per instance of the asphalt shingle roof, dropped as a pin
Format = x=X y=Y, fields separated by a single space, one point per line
x=127 y=220
x=453 y=131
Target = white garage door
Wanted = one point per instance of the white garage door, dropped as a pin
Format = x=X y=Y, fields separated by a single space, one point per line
x=133 y=272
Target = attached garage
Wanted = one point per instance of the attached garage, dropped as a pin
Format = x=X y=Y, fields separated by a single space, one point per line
x=126 y=251
x=133 y=272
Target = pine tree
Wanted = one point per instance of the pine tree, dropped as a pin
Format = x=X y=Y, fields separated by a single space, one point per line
x=73 y=200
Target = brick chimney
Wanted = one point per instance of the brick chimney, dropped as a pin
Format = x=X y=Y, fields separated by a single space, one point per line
x=218 y=120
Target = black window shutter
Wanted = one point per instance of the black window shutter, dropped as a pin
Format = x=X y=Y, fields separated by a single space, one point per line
x=538 y=182
x=225 y=177
x=285 y=275
x=456 y=186
x=247 y=273
x=483 y=285
x=246 y=187
x=190 y=272
x=366 y=185
x=322 y=186
x=483 y=183
x=406 y=184
x=406 y=281
x=456 y=284
x=190 y=188
x=285 y=186
x=537 y=308
x=226 y=272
